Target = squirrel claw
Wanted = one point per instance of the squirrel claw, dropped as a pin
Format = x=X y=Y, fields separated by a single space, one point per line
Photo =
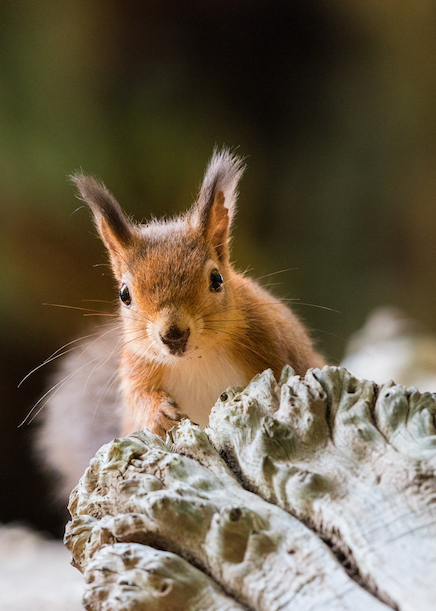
x=167 y=416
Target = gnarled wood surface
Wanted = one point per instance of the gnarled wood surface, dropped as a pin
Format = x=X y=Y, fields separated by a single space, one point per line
x=313 y=493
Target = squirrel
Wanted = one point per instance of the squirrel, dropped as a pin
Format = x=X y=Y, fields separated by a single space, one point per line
x=192 y=326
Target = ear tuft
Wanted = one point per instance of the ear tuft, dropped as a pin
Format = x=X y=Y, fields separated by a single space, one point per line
x=216 y=203
x=112 y=224
x=222 y=174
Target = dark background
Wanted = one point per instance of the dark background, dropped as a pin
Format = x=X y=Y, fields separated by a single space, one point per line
x=333 y=103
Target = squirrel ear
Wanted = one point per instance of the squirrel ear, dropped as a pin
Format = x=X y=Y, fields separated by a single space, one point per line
x=113 y=226
x=216 y=203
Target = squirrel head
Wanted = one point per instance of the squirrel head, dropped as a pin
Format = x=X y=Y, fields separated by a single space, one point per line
x=174 y=276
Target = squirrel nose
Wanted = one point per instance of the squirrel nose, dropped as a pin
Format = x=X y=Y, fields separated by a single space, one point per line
x=176 y=339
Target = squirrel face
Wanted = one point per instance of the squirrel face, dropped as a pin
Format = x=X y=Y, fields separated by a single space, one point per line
x=172 y=305
x=174 y=276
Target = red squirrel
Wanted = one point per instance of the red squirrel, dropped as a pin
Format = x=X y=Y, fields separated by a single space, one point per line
x=191 y=325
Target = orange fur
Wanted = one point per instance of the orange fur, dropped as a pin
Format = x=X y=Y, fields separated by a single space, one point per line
x=187 y=336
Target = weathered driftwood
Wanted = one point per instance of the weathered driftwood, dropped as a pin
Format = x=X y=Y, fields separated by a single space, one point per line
x=314 y=493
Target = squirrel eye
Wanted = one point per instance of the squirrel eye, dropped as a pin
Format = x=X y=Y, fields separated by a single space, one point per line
x=216 y=281
x=125 y=295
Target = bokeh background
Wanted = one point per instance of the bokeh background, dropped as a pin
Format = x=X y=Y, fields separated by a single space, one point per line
x=332 y=102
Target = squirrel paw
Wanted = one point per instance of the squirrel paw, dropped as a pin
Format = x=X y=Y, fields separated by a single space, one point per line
x=166 y=416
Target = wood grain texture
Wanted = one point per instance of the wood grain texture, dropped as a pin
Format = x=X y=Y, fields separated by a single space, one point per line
x=312 y=493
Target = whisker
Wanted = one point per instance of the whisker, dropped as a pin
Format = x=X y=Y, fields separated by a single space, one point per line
x=245 y=346
x=208 y=297
x=246 y=270
x=69 y=307
x=313 y=305
x=101 y=314
x=107 y=387
x=220 y=320
x=54 y=389
x=235 y=337
x=289 y=269
x=50 y=360
x=327 y=333
x=90 y=312
x=140 y=317
x=57 y=354
x=135 y=339
x=102 y=364
x=113 y=378
x=265 y=286
x=344 y=339
x=241 y=343
x=204 y=306
x=101 y=301
x=54 y=356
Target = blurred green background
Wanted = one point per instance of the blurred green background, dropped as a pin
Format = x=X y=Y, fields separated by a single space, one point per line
x=333 y=103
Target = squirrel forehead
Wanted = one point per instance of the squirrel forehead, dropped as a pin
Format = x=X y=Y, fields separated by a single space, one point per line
x=168 y=248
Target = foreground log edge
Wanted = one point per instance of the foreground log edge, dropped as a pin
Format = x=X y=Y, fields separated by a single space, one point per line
x=310 y=493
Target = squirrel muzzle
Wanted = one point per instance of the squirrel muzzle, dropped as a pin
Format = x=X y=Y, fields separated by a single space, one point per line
x=176 y=339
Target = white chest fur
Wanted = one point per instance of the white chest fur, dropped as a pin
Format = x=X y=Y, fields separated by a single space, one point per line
x=196 y=382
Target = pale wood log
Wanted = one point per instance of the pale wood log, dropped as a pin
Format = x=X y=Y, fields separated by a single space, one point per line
x=130 y=576
x=312 y=446
x=138 y=490
x=337 y=459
